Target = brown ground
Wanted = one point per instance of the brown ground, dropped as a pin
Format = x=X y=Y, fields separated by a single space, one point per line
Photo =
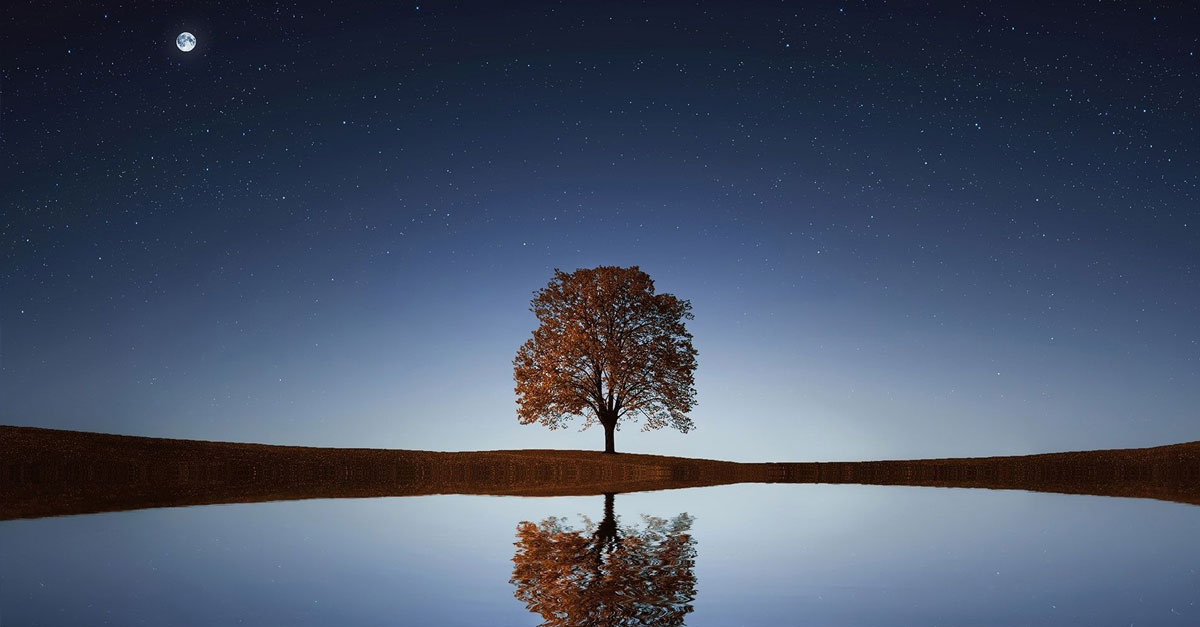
x=47 y=472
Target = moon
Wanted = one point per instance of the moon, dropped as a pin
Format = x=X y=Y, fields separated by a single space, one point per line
x=186 y=41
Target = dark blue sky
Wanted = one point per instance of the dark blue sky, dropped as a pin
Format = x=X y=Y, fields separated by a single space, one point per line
x=905 y=231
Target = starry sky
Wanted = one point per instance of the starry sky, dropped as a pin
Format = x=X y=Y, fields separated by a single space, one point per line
x=906 y=229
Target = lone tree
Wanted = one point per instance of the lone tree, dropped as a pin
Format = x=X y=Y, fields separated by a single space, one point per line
x=607 y=348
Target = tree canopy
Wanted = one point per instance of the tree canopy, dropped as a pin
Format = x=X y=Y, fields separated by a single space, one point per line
x=610 y=349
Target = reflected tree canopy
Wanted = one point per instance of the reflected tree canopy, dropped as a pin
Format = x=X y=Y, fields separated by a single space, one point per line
x=606 y=574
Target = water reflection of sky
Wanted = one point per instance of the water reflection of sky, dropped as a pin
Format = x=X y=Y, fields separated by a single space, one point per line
x=766 y=554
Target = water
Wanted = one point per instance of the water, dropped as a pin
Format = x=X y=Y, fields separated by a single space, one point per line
x=747 y=554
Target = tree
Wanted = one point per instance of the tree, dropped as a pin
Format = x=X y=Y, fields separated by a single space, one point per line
x=607 y=348
x=605 y=574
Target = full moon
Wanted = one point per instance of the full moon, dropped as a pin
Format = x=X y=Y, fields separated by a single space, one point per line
x=186 y=41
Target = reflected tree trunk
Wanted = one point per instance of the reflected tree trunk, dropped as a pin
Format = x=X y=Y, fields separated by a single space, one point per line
x=606 y=539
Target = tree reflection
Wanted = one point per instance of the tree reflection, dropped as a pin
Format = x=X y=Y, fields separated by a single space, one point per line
x=604 y=574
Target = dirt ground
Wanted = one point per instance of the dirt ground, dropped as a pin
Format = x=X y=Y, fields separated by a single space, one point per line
x=48 y=472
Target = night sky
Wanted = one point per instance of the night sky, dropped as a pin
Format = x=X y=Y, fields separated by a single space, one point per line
x=906 y=231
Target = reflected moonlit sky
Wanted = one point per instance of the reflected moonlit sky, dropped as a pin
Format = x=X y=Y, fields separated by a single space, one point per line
x=779 y=554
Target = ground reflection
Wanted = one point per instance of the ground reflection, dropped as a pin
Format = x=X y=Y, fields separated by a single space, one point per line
x=606 y=573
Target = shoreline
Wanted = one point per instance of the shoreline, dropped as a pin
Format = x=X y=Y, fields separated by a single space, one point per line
x=50 y=472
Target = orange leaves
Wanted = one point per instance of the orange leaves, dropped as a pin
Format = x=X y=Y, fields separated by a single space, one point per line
x=603 y=575
x=609 y=348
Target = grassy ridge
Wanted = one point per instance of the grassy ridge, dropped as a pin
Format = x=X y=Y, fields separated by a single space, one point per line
x=47 y=472
x=1169 y=473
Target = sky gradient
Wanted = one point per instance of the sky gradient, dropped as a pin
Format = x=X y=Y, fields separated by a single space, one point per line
x=905 y=231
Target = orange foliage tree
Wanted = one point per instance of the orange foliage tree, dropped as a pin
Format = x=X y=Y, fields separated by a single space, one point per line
x=607 y=348
x=605 y=575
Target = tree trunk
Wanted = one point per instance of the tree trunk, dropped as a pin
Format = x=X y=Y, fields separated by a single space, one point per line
x=608 y=418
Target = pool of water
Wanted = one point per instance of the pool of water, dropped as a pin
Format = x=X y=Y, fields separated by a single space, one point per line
x=749 y=554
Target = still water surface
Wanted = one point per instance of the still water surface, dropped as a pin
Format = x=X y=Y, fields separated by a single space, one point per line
x=748 y=554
